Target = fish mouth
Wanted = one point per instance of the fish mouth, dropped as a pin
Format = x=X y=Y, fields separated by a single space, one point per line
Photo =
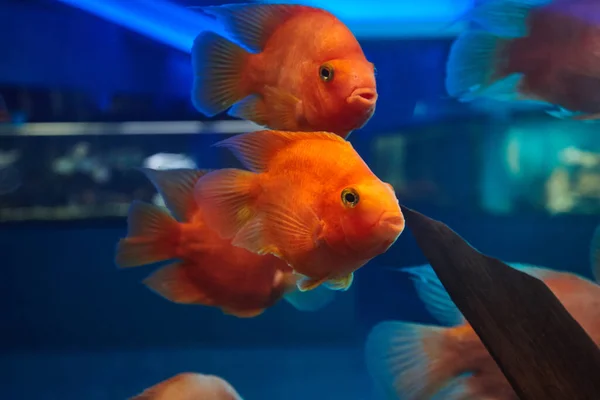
x=363 y=96
x=392 y=222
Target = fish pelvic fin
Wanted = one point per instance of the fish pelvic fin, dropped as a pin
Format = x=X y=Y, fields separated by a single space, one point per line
x=173 y=283
x=176 y=186
x=227 y=197
x=475 y=57
x=404 y=359
x=152 y=236
x=218 y=65
x=341 y=284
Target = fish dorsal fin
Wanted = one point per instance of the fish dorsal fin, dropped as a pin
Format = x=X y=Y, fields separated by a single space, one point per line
x=253 y=24
x=532 y=270
x=176 y=186
x=431 y=291
x=595 y=254
x=256 y=149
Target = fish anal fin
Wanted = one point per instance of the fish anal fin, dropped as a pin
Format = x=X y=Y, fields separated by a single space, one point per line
x=243 y=313
x=173 y=283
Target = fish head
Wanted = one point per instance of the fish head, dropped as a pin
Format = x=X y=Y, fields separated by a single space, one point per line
x=346 y=90
x=371 y=219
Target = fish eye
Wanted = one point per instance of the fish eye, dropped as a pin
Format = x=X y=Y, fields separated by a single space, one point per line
x=350 y=197
x=326 y=72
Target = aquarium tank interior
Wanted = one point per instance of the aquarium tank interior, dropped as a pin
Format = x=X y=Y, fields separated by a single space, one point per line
x=94 y=91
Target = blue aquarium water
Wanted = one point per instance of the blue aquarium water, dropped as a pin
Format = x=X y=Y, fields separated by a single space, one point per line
x=92 y=90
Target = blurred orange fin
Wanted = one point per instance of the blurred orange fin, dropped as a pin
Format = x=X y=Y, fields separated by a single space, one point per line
x=183 y=382
x=227 y=197
x=251 y=108
x=341 y=284
x=152 y=236
x=595 y=254
x=256 y=149
x=173 y=283
x=253 y=24
x=218 y=67
x=243 y=313
x=407 y=359
x=176 y=186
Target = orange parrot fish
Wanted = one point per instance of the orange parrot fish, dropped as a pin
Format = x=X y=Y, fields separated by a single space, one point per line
x=306 y=71
x=309 y=200
x=415 y=361
x=542 y=51
x=210 y=271
x=190 y=386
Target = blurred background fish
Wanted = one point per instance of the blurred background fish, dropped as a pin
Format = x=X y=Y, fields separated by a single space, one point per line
x=211 y=271
x=190 y=386
x=415 y=361
x=306 y=71
x=310 y=200
x=539 y=51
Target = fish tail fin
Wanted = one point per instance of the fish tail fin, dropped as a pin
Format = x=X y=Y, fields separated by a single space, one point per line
x=311 y=300
x=228 y=199
x=152 y=236
x=407 y=360
x=173 y=283
x=473 y=63
x=595 y=254
x=218 y=65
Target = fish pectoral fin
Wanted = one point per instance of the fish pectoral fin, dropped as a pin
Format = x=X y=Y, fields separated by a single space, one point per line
x=173 y=283
x=218 y=65
x=253 y=24
x=227 y=198
x=400 y=357
x=286 y=110
x=243 y=313
x=254 y=237
x=176 y=186
x=341 y=284
x=252 y=108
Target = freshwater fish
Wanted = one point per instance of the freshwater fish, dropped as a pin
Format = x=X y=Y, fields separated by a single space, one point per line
x=308 y=198
x=307 y=73
x=416 y=361
x=190 y=386
x=542 y=51
x=210 y=271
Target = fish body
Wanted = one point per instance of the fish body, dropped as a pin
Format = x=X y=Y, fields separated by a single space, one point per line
x=431 y=361
x=190 y=386
x=308 y=72
x=531 y=50
x=210 y=271
x=308 y=199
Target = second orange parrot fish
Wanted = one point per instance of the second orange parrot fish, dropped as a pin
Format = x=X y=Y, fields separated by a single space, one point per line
x=210 y=271
x=310 y=200
x=417 y=361
x=307 y=71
